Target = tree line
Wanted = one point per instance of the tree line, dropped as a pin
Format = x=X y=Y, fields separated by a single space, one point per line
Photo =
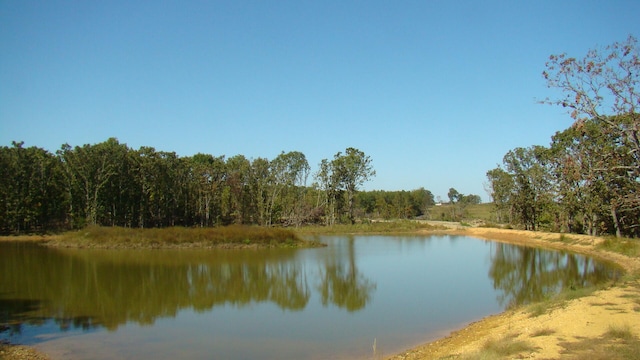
x=588 y=179
x=110 y=184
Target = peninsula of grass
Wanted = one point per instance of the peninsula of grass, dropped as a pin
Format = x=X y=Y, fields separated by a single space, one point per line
x=228 y=237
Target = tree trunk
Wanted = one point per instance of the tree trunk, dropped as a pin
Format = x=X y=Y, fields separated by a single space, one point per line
x=616 y=222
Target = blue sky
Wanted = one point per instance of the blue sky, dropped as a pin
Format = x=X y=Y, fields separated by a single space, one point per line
x=435 y=92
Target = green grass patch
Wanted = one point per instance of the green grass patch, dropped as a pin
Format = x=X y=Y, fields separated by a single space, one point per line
x=227 y=236
x=626 y=247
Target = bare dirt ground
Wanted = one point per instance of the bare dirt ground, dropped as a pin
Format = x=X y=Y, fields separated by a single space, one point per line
x=603 y=325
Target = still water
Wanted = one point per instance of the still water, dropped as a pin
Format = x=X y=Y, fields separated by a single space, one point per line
x=326 y=303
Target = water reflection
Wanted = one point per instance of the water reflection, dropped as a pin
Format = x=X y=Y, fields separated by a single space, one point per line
x=93 y=289
x=106 y=288
x=341 y=283
x=525 y=275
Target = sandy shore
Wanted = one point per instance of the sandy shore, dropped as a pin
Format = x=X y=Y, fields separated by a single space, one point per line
x=574 y=329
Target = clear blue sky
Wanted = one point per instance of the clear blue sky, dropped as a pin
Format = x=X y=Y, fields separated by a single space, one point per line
x=435 y=92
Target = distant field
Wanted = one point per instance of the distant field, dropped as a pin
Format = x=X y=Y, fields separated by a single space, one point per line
x=472 y=212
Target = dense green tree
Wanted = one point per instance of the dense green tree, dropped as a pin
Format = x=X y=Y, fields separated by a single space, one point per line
x=339 y=180
x=208 y=172
x=453 y=195
x=110 y=184
x=259 y=189
x=328 y=191
x=532 y=184
x=589 y=179
x=89 y=169
x=236 y=197
x=604 y=86
x=350 y=171
x=501 y=188
x=288 y=176
x=32 y=193
x=589 y=167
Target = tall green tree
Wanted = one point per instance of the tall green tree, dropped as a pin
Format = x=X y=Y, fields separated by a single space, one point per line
x=259 y=188
x=208 y=175
x=88 y=169
x=351 y=170
x=532 y=191
x=501 y=188
x=328 y=191
x=288 y=176
x=32 y=196
x=589 y=167
x=236 y=196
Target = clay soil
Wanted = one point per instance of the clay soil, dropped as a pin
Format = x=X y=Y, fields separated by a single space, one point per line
x=604 y=324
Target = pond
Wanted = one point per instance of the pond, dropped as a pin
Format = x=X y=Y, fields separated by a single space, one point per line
x=325 y=303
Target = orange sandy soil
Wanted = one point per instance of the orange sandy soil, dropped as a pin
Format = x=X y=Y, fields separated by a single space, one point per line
x=581 y=328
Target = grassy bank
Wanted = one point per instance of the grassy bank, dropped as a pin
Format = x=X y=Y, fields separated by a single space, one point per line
x=177 y=237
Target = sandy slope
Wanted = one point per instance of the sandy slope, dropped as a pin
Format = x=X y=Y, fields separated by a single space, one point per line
x=573 y=330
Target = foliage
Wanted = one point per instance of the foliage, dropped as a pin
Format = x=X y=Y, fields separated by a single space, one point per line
x=110 y=184
x=458 y=204
x=339 y=180
x=388 y=205
x=32 y=190
x=588 y=180
x=602 y=86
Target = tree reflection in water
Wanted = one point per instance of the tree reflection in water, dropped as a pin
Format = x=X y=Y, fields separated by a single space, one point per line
x=525 y=275
x=85 y=289
x=342 y=284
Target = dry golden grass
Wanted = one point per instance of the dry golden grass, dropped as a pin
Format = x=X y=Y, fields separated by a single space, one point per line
x=227 y=236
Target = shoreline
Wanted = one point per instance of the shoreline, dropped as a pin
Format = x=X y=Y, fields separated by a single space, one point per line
x=582 y=322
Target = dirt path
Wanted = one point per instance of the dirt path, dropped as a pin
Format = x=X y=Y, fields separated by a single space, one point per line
x=603 y=325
